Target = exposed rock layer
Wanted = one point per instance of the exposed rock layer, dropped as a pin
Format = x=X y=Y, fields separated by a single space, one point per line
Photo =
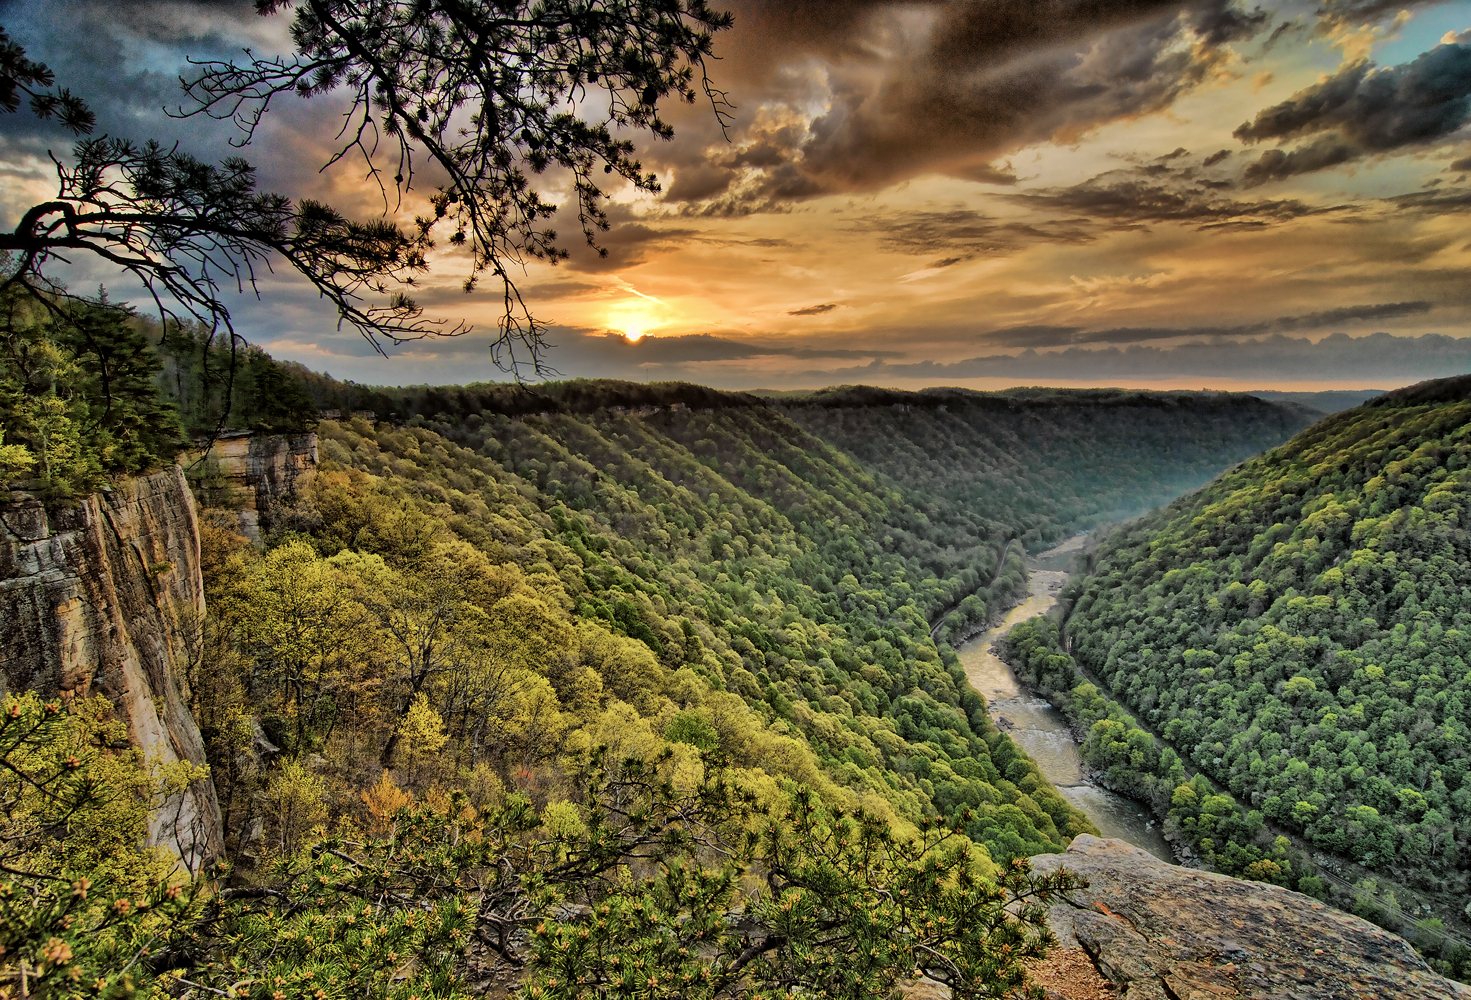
x=1161 y=932
x=102 y=598
x=252 y=474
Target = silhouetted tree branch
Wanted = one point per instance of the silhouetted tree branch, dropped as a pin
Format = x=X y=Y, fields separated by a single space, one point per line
x=480 y=95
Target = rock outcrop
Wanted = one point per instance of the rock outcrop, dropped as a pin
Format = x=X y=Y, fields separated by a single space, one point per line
x=1161 y=932
x=253 y=474
x=103 y=597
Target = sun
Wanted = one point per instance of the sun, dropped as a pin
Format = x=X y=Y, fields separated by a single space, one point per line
x=634 y=318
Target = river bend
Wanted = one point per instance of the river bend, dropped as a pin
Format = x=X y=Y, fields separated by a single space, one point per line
x=1041 y=730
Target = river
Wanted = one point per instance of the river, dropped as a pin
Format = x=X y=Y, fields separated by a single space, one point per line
x=1040 y=729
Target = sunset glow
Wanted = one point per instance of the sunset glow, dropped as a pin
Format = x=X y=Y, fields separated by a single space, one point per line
x=945 y=192
x=634 y=319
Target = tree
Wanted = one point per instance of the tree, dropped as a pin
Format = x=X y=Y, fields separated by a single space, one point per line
x=136 y=427
x=44 y=405
x=297 y=618
x=488 y=94
x=630 y=889
x=82 y=901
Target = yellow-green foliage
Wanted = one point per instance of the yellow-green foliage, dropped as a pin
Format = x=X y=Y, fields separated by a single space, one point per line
x=82 y=901
x=15 y=460
x=630 y=887
x=669 y=669
x=524 y=623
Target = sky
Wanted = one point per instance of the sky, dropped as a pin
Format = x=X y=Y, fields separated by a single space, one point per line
x=975 y=192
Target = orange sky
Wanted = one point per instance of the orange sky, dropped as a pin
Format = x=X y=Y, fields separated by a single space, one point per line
x=910 y=187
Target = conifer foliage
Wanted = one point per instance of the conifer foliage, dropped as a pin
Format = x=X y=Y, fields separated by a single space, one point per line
x=481 y=95
x=79 y=395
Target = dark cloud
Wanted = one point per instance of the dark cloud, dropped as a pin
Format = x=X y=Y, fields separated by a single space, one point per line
x=578 y=352
x=1462 y=165
x=629 y=241
x=1338 y=318
x=735 y=205
x=1126 y=197
x=632 y=240
x=600 y=353
x=946 y=87
x=1275 y=164
x=449 y=298
x=563 y=288
x=1347 y=13
x=101 y=67
x=1434 y=200
x=126 y=60
x=629 y=244
x=1308 y=109
x=981 y=79
x=964 y=234
x=1034 y=336
x=1351 y=314
x=973 y=34
x=1364 y=110
x=764 y=242
x=962 y=102
x=1219 y=23
x=1379 y=359
x=1282 y=31
x=818 y=310
x=1347 y=316
x=1218 y=156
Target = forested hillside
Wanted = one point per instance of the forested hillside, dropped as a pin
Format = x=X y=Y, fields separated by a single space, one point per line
x=1054 y=460
x=633 y=579
x=720 y=542
x=1300 y=630
x=520 y=642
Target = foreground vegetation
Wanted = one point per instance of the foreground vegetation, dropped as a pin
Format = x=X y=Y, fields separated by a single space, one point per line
x=656 y=884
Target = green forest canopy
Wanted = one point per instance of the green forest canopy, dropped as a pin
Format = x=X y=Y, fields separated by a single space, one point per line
x=1301 y=630
x=718 y=600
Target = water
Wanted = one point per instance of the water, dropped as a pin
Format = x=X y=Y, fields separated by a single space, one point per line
x=1041 y=730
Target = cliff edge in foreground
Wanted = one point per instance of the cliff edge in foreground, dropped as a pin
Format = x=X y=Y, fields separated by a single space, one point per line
x=1161 y=932
x=101 y=598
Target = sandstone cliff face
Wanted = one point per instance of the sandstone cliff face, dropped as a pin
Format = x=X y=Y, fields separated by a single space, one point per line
x=101 y=598
x=1160 y=932
x=251 y=474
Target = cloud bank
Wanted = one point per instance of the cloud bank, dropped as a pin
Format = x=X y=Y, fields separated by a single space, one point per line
x=1363 y=110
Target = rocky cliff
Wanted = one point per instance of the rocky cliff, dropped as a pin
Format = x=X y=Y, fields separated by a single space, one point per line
x=103 y=597
x=252 y=474
x=1161 y=932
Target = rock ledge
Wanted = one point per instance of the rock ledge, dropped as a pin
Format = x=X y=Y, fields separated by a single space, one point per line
x=1161 y=932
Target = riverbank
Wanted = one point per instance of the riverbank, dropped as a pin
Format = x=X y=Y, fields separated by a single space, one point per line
x=1041 y=730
